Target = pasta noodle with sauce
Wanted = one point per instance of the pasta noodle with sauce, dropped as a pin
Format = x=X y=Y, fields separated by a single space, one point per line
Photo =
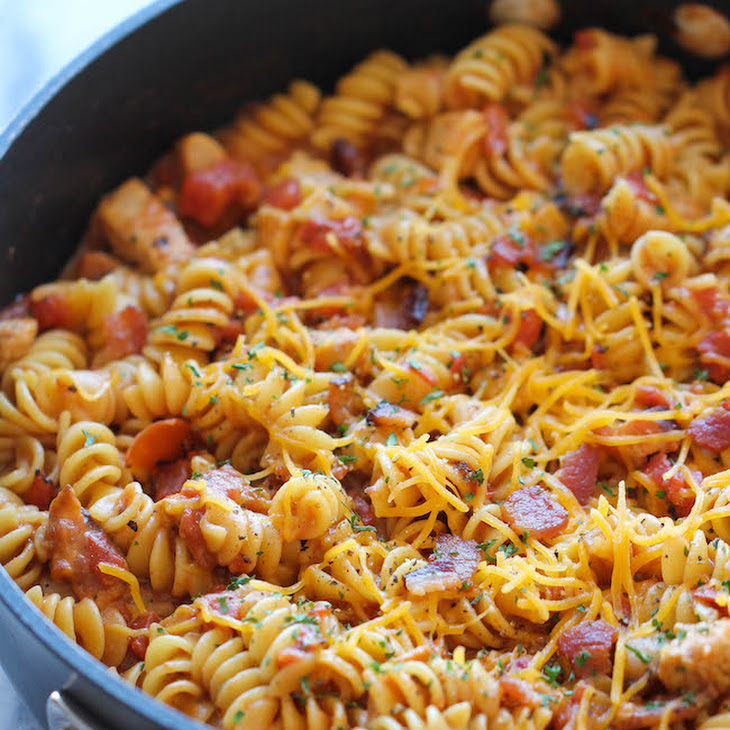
x=401 y=407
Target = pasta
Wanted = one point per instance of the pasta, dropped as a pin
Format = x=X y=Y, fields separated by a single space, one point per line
x=400 y=408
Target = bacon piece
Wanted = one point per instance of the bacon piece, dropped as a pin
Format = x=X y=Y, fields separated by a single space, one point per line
x=206 y=195
x=497 y=122
x=168 y=478
x=588 y=647
x=348 y=232
x=54 y=311
x=528 y=332
x=580 y=115
x=190 y=531
x=533 y=510
x=391 y=416
x=511 y=251
x=678 y=492
x=415 y=305
x=579 y=472
x=286 y=194
x=712 y=306
x=633 y=716
x=16 y=338
x=712 y=431
x=138 y=644
x=343 y=400
x=517 y=692
x=347 y=159
x=41 y=492
x=159 y=442
x=714 y=350
x=650 y=396
x=639 y=187
x=95 y=264
x=77 y=546
x=634 y=454
x=452 y=564
x=124 y=333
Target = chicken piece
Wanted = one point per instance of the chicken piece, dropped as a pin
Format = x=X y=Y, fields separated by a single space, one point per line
x=141 y=229
x=16 y=337
x=698 y=659
x=77 y=547
x=199 y=151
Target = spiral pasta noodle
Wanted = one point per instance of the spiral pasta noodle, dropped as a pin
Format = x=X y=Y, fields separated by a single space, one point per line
x=402 y=407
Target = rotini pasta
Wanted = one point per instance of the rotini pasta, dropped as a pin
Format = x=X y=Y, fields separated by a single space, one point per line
x=402 y=408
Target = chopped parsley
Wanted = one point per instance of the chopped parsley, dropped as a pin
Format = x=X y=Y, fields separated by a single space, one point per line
x=90 y=439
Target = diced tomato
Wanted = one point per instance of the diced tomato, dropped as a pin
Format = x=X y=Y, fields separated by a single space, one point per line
x=650 y=396
x=495 y=139
x=290 y=655
x=709 y=595
x=231 y=332
x=207 y=194
x=512 y=249
x=41 y=492
x=348 y=232
x=159 y=442
x=95 y=264
x=138 y=644
x=124 y=333
x=585 y=39
x=76 y=548
x=641 y=190
x=712 y=431
x=580 y=471
x=226 y=604
x=189 y=530
x=677 y=491
x=588 y=647
x=235 y=486
x=53 y=311
x=533 y=510
x=517 y=692
x=168 y=478
x=714 y=352
x=423 y=372
x=286 y=194
x=580 y=116
x=528 y=332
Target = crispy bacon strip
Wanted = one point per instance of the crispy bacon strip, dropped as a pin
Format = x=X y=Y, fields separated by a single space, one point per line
x=533 y=510
x=452 y=563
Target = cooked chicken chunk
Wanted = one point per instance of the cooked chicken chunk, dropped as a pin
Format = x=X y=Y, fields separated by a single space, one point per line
x=141 y=229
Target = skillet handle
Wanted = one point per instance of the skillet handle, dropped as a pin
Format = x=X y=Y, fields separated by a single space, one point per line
x=62 y=713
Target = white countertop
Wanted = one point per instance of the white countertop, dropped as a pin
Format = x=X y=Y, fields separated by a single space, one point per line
x=37 y=39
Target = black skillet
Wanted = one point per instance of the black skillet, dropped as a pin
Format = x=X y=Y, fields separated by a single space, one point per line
x=172 y=68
